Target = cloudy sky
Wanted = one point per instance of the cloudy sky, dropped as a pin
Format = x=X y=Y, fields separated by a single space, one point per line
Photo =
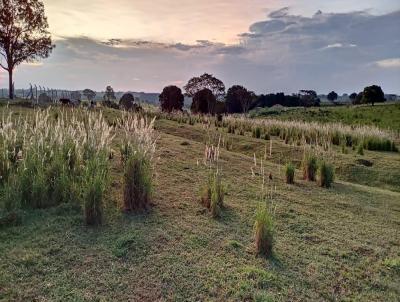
x=265 y=45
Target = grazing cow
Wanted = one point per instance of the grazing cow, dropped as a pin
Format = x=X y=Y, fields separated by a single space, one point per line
x=65 y=102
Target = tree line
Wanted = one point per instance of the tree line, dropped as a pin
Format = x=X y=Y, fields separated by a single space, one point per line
x=209 y=97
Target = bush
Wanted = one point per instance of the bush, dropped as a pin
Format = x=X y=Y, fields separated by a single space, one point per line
x=309 y=167
x=264 y=232
x=289 y=171
x=326 y=175
x=137 y=182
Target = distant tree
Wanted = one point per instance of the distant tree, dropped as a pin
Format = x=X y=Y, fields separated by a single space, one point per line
x=309 y=98
x=207 y=81
x=127 y=101
x=171 y=98
x=89 y=94
x=238 y=99
x=76 y=96
x=204 y=101
x=358 y=98
x=24 y=35
x=332 y=96
x=109 y=94
x=353 y=96
x=373 y=94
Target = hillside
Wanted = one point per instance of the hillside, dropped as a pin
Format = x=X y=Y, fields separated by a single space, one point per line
x=332 y=244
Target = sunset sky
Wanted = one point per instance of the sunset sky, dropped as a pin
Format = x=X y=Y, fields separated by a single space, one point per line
x=267 y=46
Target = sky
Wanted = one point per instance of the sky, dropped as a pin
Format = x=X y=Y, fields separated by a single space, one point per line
x=265 y=45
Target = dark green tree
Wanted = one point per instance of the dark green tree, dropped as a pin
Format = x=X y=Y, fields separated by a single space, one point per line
x=238 y=99
x=207 y=81
x=204 y=102
x=332 y=96
x=373 y=94
x=171 y=98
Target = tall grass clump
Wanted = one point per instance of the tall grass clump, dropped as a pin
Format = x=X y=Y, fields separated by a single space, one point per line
x=213 y=191
x=44 y=156
x=264 y=226
x=360 y=149
x=137 y=152
x=94 y=187
x=289 y=173
x=217 y=195
x=309 y=165
x=326 y=174
x=264 y=232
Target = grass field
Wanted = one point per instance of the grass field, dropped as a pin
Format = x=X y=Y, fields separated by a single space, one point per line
x=337 y=244
x=381 y=115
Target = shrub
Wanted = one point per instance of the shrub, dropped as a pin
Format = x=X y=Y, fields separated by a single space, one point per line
x=309 y=167
x=289 y=171
x=264 y=232
x=326 y=175
x=137 y=182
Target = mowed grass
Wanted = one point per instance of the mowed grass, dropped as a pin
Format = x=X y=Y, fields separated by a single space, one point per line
x=381 y=115
x=332 y=244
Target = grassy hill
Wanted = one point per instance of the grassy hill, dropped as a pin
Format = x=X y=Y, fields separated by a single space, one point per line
x=331 y=244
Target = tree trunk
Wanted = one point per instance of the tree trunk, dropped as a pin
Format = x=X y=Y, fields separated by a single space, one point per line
x=10 y=86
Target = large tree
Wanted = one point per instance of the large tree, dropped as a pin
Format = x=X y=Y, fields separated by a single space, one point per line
x=205 y=81
x=204 y=101
x=373 y=94
x=238 y=99
x=171 y=98
x=24 y=35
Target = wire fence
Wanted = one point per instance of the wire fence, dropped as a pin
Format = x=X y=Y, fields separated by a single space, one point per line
x=41 y=94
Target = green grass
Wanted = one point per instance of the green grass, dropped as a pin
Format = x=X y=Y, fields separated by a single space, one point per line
x=339 y=244
x=382 y=115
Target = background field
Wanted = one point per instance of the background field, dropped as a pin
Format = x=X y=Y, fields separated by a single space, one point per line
x=336 y=244
x=381 y=115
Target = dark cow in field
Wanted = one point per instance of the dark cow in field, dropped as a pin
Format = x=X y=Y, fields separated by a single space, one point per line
x=65 y=102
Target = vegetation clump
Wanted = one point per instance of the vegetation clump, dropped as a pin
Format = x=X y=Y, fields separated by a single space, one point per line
x=326 y=174
x=137 y=151
x=49 y=159
x=309 y=165
x=264 y=232
x=289 y=173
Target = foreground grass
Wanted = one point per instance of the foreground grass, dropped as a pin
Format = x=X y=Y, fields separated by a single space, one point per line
x=336 y=244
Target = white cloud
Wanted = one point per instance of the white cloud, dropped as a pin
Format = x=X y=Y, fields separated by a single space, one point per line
x=389 y=63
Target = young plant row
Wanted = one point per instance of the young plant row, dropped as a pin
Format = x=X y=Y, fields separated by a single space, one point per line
x=297 y=132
